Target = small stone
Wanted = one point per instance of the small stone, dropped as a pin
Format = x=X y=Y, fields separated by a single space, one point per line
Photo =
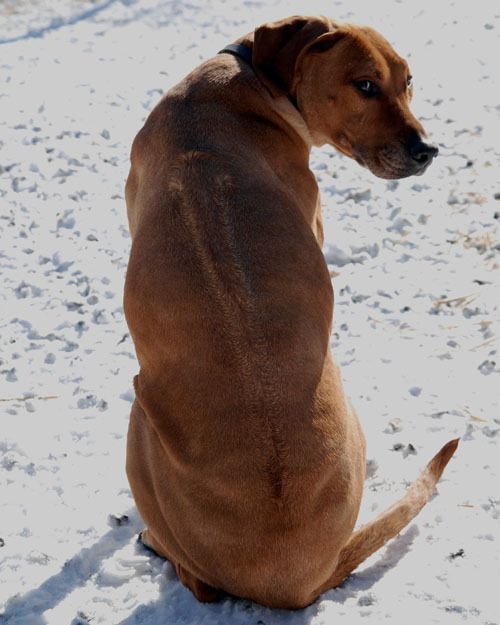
x=366 y=600
x=458 y=554
x=86 y=402
x=489 y=432
x=117 y=520
x=487 y=366
x=395 y=424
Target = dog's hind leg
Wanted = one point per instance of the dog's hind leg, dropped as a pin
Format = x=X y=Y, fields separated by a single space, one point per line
x=203 y=592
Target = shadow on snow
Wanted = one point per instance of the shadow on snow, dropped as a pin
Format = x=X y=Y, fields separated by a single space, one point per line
x=176 y=604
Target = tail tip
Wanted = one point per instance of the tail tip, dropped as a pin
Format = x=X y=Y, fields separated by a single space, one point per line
x=452 y=445
x=441 y=459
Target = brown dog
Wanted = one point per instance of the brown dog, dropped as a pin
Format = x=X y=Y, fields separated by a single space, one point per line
x=245 y=459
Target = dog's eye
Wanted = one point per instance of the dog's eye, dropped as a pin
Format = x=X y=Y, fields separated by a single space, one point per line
x=367 y=87
x=409 y=82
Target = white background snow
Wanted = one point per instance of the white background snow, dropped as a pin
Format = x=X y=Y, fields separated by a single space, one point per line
x=416 y=271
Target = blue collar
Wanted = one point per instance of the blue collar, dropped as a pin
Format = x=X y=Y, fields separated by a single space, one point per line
x=238 y=49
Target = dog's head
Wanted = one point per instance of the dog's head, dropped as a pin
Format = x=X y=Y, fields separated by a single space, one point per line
x=351 y=88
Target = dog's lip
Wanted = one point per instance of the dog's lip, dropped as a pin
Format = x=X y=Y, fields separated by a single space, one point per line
x=424 y=168
x=421 y=171
x=357 y=155
x=398 y=170
x=383 y=167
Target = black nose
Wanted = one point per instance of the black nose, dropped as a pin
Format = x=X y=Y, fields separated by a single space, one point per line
x=422 y=152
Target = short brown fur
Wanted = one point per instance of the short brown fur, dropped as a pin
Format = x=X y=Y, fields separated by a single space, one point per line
x=244 y=457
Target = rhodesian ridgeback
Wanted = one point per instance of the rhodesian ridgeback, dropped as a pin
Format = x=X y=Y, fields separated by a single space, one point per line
x=244 y=456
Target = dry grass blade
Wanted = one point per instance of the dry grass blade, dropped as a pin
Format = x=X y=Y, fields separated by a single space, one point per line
x=473 y=417
x=464 y=300
x=492 y=340
x=43 y=397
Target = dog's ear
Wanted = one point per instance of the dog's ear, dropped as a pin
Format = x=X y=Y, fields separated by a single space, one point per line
x=278 y=46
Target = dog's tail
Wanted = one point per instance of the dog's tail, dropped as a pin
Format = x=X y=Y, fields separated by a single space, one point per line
x=370 y=537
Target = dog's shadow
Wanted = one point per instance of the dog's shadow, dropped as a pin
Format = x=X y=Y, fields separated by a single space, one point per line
x=176 y=604
x=29 y=608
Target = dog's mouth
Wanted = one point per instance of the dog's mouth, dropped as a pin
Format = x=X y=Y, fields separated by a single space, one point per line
x=395 y=161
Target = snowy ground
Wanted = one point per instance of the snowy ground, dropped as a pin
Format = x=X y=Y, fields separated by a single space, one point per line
x=416 y=272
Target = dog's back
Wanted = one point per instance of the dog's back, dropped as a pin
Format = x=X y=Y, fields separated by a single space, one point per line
x=219 y=306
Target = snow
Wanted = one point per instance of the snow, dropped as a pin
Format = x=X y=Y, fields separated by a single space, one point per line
x=415 y=266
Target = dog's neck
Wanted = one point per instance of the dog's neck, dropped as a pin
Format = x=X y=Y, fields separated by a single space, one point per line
x=292 y=115
x=285 y=106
